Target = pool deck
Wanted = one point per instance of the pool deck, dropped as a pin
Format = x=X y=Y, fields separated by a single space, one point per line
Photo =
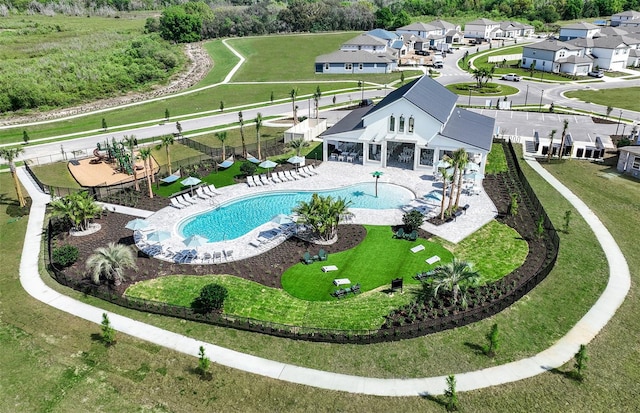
x=330 y=175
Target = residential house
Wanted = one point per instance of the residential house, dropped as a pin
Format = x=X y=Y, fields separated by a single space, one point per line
x=413 y=127
x=626 y=18
x=481 y=29
x=553 y=55
x=387 y=36
x=452 y=32
x=578 y=30
x=629 y=161
x=508 y=29
x=365 y=42
x=607 y=52
x=355 y=62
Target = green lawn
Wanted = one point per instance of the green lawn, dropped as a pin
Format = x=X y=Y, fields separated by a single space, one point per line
x=234 y=139
x=490 y=89
x=624 y=98
x=55 y=174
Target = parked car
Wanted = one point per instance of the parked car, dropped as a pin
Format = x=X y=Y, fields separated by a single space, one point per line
x=438 y=65
x=596 y=73
x=511 y=77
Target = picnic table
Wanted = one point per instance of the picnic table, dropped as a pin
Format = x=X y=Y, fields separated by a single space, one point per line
x=341 y=281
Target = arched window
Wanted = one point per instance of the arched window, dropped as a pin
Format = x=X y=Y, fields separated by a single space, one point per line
x=401 y=125
x=392 y=123
x=411 y=125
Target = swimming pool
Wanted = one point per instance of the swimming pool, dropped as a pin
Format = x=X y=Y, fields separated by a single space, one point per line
x=237 y=218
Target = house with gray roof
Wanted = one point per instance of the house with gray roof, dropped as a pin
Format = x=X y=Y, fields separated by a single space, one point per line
x=629 y=161
x=555 y=56
x=626 y=18
x=483 y=29
x=606 y=52
x=365 y=42
x=578 y=30
x=413 y=127
x=355 y=62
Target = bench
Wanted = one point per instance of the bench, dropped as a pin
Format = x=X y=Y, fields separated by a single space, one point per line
x=328 y=268
x=432 y=260
x=417 y=248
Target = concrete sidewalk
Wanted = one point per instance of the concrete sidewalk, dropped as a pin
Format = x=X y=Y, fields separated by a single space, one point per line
x=558 y=354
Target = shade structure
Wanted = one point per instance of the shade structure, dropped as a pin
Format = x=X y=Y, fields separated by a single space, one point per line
x=195 y=241
x=472 y=167
x=252 y=158
x=443 y=164
x=434 y=196
x=227 y=163
x=296 y=160
x=281 y=219
x=170 y=179
x=158 y=236
x=137 y=224
x=268 y=164
x=473 y=176
x=191 y=181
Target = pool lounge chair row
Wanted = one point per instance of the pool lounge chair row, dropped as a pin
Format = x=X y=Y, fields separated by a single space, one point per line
x=281 y=176
x=185 y=200
x=192 y=256
x=277 y=234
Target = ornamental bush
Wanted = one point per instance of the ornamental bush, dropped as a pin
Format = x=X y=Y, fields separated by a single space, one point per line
x=211 y=298
x=65 y=255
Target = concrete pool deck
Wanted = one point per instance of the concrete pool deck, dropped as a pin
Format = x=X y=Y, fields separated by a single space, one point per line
x=330 y=175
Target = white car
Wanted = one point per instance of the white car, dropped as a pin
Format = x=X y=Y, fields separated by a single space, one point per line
x=511 y=76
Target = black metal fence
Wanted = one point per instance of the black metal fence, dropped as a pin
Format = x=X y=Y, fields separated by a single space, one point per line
x=268 y=147
x=500 y=296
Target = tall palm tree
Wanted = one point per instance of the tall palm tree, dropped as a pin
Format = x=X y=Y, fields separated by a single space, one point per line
x=550 y=152
x=461 y=159
x=293 y=94
x=165 y=141
x=145 y=155
x=130 y=141
x=456 y=159
x=258 y=126
x=297 y=144
x=244 y=146
x=565 y=126
x=10 y=154
x=456 y=277
x=110 y=262
x=446 y=177
x=222 y=136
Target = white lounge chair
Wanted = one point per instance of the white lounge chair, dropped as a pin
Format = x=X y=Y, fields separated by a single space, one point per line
x=302 y=173
x=183 y=201
x=292 y=175
x=189 y=199
x=311 y=169
x=282 y=176
x=228 y=255
x=175 y=203
x=217 y=256
x=201 y=194
x=250 y=181
x=275 y=178
x=211 y=189
x=265 y=180
x=307 y=171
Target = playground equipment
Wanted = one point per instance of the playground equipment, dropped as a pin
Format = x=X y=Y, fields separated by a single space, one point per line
x=115 y=152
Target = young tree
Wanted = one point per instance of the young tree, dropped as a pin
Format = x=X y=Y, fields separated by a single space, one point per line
x=456 y=276
x=565 y=126
x=110 y=262
x=451 y=395
x=10 y=155
x=460 y=159
x=580 y=364
x=130 y=142
x=203 y=362
x=145 y=155
x=493 y=337
x=402 y=78
x=609 y=109
x=244 y=145
x=25 y=137
x=221 y=106
x=316 y=100
x=293 y=94
x=211 y=298
x=108 y=333
x=271 y=97
x=550 y=152
x=166 y=141
x=258 y=121
x=297 y=145
x=446 y=178
x=222 y=136
x=104 y=124
x=166 y=113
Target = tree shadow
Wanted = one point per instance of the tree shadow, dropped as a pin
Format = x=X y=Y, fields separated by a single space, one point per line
x=434 y=398
x=477 y=348
x=570 y=374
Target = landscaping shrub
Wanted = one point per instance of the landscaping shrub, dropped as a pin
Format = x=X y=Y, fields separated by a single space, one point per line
x=413 y=220
x=211 y=298
x=248 y=168
x=66 y=255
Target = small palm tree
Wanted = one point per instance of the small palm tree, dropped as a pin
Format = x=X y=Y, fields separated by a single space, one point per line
x=297 y=145
x=459 y=159
x=130 y=141
x=446 y=178
x=293 y=94
x=10 y=154
x=166 y=141
x=565 y=126
x=78 y=207
x=258 y=126
x=322 y=214
x=145 y=155
x=455 y=277
x=244 y=145
x=110 y=262
x=222 y=136
x=550 y=152
x=316 y=99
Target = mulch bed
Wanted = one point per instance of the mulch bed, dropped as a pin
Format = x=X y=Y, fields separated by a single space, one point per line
x=268 y=267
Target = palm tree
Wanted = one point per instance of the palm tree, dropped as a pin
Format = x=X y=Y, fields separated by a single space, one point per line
x=456 y=277
x=565 y=126
x=293 y=94
x=322 y=214
x=446 y=177
x=79 y=207
x=145 y=155
x=110 y=262
x=478 y=75
x=316 y=99
x=165 y=141
x=258 y=126
x=460 y=160
x=550 y=152
x=244 y=146
x=130 y=142
x=10 y=154
x=489 y=74
x=222 y=136
x=297 y=144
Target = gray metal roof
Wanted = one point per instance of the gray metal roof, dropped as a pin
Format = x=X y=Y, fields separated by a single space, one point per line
x=628 y=13
x=575 y=59
x=422 y=27
x=355 y=56
x=365 y=39
x=470 y=128
x=552 y=44
x=352 y=121
x=442 y=24
x=482 y=22
x=580 y=26
x=427 y=94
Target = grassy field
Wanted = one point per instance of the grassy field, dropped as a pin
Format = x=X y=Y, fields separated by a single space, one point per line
x=623 y=98
x=491 y=89
x=159 y=380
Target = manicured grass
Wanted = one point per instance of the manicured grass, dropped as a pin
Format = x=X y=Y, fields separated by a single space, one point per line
x=234 y=139
x=496 y=161
x=624 y=98
x=223 y=61
x=55 y=174
x=490 y=89
x=177 y=151
x=373 y=263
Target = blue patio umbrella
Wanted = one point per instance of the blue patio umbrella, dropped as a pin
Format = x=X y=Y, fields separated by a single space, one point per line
x=443 y=164
x=268 y=164
x=474 y=176
x=137 y=224
x=195 y=241
x=435 y=196
x=190 y=182
x=472 y=167
x=281 y=219
x=158 y=236
x=296 y=160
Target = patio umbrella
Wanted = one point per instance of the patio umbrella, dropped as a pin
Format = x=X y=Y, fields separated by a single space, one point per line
x=268 y=164
x=195 y=241
x=435 y=196
x=158 y=236
x=296 y=160
x=190 y=182
x=136 y=224
x=377 y=175
x=472 y=167
x=474 y=176
x=281 y=219
x=443 y=164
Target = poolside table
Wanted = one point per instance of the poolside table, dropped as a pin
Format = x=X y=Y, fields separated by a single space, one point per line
x=341 y=281
x=328 y=268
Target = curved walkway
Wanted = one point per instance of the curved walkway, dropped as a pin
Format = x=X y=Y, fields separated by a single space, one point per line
x=558 y=354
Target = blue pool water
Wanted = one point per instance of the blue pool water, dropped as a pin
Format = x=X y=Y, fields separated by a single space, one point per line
x=235 y=219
